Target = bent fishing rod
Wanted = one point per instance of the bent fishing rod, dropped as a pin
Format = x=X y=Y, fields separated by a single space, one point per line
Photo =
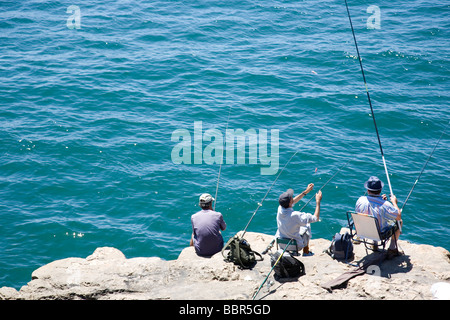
x=368 y=97
x=423 y=168
x=260 y=203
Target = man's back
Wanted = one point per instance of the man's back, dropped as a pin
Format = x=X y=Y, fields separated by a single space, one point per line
x=290 y=222
x=376 y=206
x=206 y=226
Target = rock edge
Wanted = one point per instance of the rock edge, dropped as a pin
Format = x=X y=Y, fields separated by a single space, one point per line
x=108 y=275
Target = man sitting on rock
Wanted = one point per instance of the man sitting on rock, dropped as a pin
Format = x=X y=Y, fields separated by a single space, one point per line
x=294 y=224
x=206 y=225
x=376 y=205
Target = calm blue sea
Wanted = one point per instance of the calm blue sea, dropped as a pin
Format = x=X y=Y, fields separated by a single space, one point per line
x=94 y=93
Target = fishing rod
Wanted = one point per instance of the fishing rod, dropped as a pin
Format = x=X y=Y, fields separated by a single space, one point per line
x=325 y=184
x=423 y=168
x=221 y=162
x=273 y=267
x=260 y=203
x=368 y=97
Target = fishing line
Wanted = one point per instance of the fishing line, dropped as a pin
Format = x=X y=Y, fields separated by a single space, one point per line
x=326 y=224
x=273 y=241
x=325 y=184
x=423 y=168
x=368 y=97
x=221 y=162
x=260 y=203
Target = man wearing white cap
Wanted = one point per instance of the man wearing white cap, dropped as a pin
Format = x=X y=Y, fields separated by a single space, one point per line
x=206 y=225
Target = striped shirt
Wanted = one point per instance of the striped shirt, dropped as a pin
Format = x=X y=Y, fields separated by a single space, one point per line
x=379 y=208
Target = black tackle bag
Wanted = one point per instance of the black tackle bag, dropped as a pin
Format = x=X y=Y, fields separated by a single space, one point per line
x=288 y=266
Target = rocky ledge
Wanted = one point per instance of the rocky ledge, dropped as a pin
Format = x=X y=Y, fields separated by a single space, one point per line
x=423 y=272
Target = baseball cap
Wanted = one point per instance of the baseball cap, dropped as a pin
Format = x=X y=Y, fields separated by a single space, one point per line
x=285 y=198
x=206 y=198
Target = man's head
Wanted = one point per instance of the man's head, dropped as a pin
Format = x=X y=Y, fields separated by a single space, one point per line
x=286 y=199
x=205 y=201
x=374 y=185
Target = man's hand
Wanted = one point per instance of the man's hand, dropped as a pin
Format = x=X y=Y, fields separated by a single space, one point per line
x=318 y=196
x=309 y=188
x=394 y=199
x=301 y=195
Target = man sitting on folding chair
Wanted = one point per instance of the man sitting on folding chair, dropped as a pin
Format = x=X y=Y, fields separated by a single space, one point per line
x=387 y=213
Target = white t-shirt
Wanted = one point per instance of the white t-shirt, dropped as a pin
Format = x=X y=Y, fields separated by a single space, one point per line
x=294 y=224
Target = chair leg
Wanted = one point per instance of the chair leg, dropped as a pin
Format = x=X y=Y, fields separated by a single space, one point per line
x=375 y=246
x=366 y=246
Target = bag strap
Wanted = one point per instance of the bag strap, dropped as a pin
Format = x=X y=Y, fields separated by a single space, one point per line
x=226 y=246
x=260 y=256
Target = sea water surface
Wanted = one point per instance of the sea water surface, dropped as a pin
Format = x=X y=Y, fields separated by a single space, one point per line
x=88 y=108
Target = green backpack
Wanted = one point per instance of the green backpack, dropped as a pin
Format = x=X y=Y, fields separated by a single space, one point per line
x=240 y=253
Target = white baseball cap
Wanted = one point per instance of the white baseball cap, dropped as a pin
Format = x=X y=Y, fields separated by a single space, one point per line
x=206 y=198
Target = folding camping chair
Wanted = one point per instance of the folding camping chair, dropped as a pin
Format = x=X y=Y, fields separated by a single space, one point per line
x=292 y=248
x=367 y=228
